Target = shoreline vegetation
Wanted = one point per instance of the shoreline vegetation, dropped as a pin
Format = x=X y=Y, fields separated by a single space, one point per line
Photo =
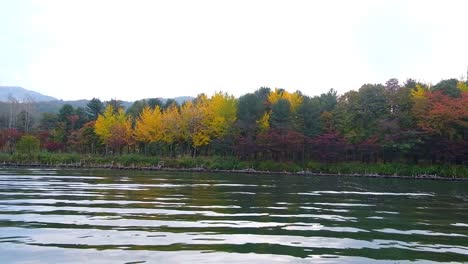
x=412 y=130
x=233 y=165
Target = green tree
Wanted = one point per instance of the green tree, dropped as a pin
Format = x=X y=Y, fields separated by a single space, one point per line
x=136 y=108
x=48 y=121
x=250 y=108
x=262 y=93
x=358 y=113
x=308 y=116
x=80 y=112
x=94 y=108
x=281 y=116
x=65 y=112
x=153 y=102
x=28 y=145
x=88 y=140
x=392 y=87
x=402 y=108
x=116 y=105
x=169 y=103
x=67 y=122
x=328 y=101
x=448 y=87
x=24 y=122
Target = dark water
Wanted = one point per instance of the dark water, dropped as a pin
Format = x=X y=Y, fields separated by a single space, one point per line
x=63 y=216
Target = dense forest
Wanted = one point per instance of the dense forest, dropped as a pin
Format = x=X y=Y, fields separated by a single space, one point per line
x=408 y=123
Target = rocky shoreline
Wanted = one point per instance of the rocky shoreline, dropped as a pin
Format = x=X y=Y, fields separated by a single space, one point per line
x=201 y=169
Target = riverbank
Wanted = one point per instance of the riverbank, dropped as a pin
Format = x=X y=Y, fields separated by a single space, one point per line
x=242 y=171
x=233 y=165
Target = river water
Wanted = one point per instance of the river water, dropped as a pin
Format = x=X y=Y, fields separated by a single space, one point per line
x=104 y=216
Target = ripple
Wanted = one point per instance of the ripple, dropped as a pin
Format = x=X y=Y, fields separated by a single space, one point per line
x=417 y=232
x=166 y=217
x=338 y=218
x=346 y=204
x=373 y=193
x=460 y=224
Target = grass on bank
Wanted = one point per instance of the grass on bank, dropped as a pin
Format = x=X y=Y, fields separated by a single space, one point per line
x=232 y=163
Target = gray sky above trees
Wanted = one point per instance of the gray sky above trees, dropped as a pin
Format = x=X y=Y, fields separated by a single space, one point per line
x=135 y=49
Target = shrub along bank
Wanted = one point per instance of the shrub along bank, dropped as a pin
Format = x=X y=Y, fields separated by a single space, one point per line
x=232 y=163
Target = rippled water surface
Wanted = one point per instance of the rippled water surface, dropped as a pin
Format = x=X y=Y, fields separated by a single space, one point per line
x=65 y=216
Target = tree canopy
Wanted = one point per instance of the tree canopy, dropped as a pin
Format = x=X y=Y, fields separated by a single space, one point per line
x=407 y=121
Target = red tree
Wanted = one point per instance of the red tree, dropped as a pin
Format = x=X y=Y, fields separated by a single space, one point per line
x=329 y=147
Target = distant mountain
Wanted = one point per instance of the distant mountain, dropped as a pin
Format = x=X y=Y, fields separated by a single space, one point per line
x=55 y=105
x=182 y=99
x=50 y=104
x=22 y=94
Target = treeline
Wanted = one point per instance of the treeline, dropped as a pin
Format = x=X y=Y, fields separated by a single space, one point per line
x=392 y=122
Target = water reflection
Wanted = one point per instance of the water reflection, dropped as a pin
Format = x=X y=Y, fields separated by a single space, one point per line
x=141 y=217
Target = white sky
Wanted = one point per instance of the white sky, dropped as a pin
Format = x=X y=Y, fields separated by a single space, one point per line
x=137 y=49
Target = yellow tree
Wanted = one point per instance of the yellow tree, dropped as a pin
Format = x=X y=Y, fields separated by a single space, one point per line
x=104 y=122
x=295 y=99
x=326 y=120
x=462 y=86
x=275 y=96
x=149 y=126
x=122 y=135
x=195 y=122
x=263 y=124
x=171 y=125
x=420 y=101
x=114 y=128
x=221 y=114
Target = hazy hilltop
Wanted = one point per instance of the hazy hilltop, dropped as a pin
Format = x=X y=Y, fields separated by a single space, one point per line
x=45 y=103
x=55 y=105
x=180 y=99
x=21 y=94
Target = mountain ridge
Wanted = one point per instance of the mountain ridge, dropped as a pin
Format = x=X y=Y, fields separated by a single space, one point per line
x=45 y=103
x=21 y=94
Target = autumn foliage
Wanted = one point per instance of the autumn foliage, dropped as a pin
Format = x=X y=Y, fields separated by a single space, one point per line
x=412 y=122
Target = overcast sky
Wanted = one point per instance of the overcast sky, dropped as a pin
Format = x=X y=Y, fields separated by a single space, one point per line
x=137 y=49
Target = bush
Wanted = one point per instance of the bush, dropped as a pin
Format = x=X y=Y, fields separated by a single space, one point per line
x=28 y=152
x=28 y=145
